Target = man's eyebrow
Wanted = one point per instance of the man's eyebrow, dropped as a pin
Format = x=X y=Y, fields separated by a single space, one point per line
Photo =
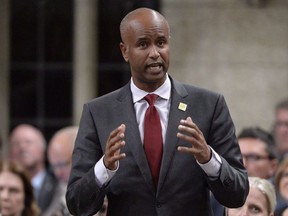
x=140 y=39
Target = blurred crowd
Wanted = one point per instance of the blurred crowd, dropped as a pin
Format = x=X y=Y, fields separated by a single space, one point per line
x=29 y=186
x=265 y=157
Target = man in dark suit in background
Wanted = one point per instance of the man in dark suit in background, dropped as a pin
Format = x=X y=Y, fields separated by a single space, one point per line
x=200 y=150
x=27 y=146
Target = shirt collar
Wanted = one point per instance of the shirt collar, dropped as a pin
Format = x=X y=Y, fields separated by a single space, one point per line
x=163 y=91
x=38 y=179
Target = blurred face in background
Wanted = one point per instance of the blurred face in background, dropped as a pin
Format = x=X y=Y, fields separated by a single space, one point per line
x=255 y=205
x=12 y=195
x=281 y=130
x=60 y=160
x=60 y=151
x=256 y=158
x=27 y=147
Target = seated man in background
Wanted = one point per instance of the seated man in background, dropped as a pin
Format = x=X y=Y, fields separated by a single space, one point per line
x=60 y=150
x=280 y=129
x=27 y=146
x=259 y=153
x=259 y=156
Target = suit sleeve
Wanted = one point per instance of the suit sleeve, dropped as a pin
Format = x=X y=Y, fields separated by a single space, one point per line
x=232 y=187
x=83 y=195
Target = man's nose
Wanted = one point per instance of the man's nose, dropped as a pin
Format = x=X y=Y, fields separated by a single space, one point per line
x=154 y=53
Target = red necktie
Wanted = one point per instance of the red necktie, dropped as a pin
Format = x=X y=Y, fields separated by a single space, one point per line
x=153 y=145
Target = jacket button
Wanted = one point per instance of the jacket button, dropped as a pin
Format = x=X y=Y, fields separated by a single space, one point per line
x=158 y=205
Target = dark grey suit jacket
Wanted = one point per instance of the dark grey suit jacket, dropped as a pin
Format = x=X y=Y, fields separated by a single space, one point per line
x=183 y=187
x=47 y=191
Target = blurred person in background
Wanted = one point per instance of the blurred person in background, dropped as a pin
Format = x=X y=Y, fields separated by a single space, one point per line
x=27 y=146
x=60 y=150
x=259 y=153
x=259 y=156
x=1 y=152
x=281 y=185
x=16 y=191
x=261 y=200
x=280 y=129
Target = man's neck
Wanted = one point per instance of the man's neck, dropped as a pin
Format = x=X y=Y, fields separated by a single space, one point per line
x=34 y=170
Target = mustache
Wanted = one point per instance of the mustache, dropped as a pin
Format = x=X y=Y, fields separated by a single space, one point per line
x=154 y=64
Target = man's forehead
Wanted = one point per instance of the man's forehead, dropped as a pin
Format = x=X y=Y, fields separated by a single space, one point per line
x=142 y=27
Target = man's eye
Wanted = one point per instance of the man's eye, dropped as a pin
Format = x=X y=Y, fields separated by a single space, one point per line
x=161 y=43
x=142 y=44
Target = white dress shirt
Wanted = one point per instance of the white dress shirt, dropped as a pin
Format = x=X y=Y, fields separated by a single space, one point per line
x=162 y=104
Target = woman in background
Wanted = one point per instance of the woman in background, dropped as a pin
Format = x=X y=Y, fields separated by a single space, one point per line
x=261 y=200
x=281 y=184
x=16 y=192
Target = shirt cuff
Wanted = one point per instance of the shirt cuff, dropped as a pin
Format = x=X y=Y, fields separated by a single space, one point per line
x=212 y=167
x=102 y=174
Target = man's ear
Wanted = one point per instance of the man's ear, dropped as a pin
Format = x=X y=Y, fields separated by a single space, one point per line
x=124 y=49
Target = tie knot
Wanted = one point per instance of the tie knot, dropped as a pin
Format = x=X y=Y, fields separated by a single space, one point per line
x=151 y=98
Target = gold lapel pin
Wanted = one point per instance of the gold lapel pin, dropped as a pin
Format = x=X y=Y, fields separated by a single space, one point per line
x=182 y=106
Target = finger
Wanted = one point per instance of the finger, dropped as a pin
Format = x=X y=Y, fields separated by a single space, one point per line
x=185 y=149
x=191 y=150
x=114 y=158
x=115 y=148
x=189 y=123
x=112 y=150
x=122 y=128
x=185 y=130
x=116 y=136
x=187 y=138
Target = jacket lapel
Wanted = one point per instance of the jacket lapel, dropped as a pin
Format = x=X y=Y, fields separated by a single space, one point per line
x=178 y=94
x=132 y=134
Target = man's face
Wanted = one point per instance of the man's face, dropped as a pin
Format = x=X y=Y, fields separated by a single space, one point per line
x=281 y=130
x=11 y=194
x=256 y=158
x=60 y=160
x=146 y=48
x=27 y=147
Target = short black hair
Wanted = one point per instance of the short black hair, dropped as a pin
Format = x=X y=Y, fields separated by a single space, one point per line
x=261 y=134
x=282 y=104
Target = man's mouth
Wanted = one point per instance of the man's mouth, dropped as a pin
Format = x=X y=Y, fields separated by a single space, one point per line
x=155 y=66
x=25 y=155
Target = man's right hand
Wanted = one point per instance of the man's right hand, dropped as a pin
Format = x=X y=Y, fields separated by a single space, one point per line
x=113 y=146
